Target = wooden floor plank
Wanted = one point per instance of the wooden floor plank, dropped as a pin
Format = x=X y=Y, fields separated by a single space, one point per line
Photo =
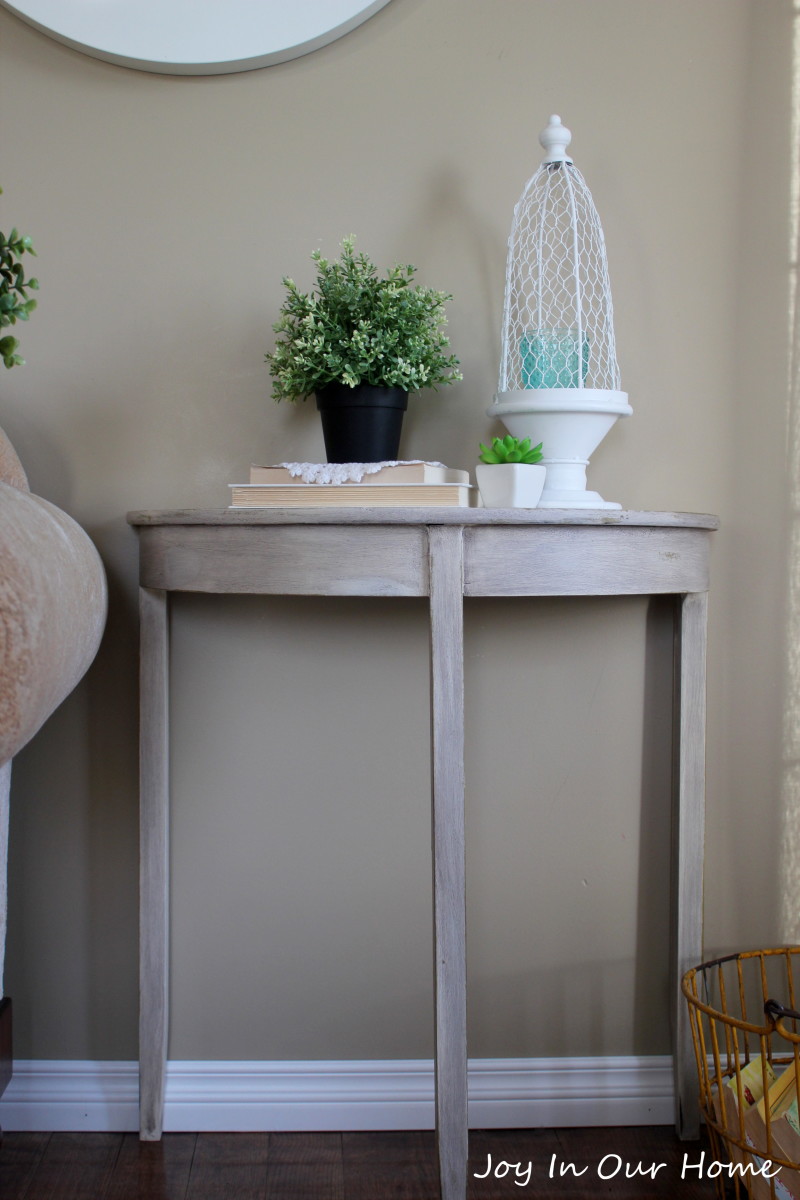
x=295 y=1181
x=304 y=1165
x=322 y=1149
x=75 y=1166
x=351 y=1166
x=20 y=1155
x=402 y=1165
x=229 y=1166
x=152 y=1170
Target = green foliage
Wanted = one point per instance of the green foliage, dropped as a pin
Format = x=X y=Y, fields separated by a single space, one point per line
x=358 y=328
x=14 y=302
x=511 y=450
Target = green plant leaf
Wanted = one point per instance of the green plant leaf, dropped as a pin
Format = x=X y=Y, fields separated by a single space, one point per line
x=14 y=302
x=359 y=327
x=512 y=450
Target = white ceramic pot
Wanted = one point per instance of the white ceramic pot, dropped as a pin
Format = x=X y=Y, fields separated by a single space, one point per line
x=570 y=423
x=510 y=485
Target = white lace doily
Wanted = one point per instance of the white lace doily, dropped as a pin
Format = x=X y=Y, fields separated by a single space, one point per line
x=344 y=472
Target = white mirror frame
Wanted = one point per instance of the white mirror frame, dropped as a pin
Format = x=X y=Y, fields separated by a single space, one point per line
x=195 y=37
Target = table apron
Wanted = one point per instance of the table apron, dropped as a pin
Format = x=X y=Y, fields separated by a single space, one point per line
x=393 y=560
x=602 y=561
x=286 y=560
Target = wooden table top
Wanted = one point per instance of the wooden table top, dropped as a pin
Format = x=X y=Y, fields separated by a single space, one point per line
x=332 y=515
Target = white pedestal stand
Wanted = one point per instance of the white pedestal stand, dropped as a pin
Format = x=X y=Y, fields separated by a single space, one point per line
x=570 y=423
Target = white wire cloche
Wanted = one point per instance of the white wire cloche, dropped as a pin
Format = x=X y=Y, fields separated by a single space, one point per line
x=559 y=381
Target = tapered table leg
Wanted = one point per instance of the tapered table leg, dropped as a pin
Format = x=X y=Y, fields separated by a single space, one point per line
x=447 y=701
x=154 y=859
x=687 y=840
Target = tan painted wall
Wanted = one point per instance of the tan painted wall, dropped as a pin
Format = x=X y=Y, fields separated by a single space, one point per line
x=165 y=210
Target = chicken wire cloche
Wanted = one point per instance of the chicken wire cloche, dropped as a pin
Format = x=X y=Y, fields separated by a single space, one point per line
x=559 y=381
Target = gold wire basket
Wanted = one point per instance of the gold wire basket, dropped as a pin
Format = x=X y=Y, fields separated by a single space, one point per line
x=746 y=1036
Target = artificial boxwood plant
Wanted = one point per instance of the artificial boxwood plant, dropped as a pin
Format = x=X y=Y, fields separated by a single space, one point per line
x=15 y=304
x=358 y=327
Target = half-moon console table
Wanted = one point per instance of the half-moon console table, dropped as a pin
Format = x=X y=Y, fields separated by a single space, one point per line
x=444 y=554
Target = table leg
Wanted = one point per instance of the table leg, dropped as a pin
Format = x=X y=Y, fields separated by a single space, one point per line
x=154 y=857
x=449 y=900
x=687 y=840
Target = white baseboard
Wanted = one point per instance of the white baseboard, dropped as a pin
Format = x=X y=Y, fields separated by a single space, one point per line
x=299 y=1096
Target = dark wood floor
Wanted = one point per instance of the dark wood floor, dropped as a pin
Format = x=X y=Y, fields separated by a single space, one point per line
x=349 y=1166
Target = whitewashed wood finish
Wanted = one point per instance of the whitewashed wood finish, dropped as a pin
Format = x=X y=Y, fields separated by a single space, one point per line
x=382 y=552
x=689 y=782
x=420 y=516
x=449 y=871
x=153 y=859
x=605 y=561
x=290 y=560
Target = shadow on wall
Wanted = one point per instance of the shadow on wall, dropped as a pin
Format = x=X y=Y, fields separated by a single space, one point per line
x=653 y=950
x=591 y=1006
x=113 y=820
x=443 y=228
x=82 y=825
x=587 y=1006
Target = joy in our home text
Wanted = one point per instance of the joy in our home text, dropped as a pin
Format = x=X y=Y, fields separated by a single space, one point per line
x=613 y=1166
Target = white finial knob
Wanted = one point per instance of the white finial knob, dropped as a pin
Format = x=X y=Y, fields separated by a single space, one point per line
x=555 y=140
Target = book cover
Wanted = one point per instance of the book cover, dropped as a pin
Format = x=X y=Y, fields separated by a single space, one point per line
x=780 y=1094
x=350 y=495
x=786 y=1133
x=726 y=1106
x=753 y=1076
x=785 y=1144
x=760 y=1106
x=779 y=1108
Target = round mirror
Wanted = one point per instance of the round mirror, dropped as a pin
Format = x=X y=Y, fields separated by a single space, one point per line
x=195 y=37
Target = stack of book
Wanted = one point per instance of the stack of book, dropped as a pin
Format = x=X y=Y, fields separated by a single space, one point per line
x=417 y=484
x=776 y=1109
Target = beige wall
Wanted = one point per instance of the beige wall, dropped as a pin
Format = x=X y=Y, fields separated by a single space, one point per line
x=165 y=210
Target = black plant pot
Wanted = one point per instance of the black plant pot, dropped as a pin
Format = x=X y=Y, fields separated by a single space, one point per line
x=361 y=424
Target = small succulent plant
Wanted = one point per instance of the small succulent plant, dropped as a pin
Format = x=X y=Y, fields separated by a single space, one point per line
x=511 y=450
